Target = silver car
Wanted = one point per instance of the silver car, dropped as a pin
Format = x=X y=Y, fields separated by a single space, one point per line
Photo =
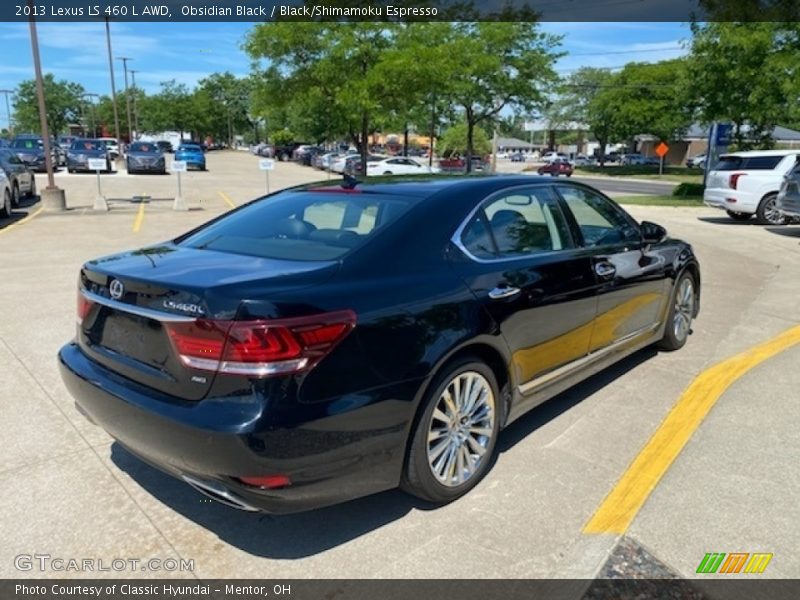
x=5 y=196
x=788 y=201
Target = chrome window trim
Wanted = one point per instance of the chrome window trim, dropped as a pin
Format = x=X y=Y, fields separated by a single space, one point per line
x=456 y=238
x=140 y=311
x=543 y=380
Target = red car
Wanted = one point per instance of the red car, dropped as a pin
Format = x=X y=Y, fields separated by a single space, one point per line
x=556 y=168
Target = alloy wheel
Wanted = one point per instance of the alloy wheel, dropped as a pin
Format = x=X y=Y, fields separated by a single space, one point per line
x=771 y=212
x=684 y=309
x=461 y=428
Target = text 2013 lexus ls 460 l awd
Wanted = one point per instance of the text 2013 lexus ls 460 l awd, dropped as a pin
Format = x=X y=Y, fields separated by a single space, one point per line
x=325 y=343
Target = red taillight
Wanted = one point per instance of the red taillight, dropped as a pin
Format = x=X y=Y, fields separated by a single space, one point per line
x=733 y=180
x=267 y=482
x=84 y=306
x=259 y=348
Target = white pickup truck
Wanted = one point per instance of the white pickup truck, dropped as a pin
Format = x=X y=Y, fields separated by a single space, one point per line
x=747 y=183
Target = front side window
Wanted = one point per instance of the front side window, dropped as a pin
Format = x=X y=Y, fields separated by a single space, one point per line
x=517 y=224
x=601 y=223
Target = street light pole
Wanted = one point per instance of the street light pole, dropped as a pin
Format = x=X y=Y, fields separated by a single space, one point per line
x=53 y=198
x=113 y=85
x=8 y=110
x=91 y=111
x=135 y=111
x=125 y=60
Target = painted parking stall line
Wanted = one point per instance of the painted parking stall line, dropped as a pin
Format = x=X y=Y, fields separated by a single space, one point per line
x=227 y=199
x=623 y=503
x=137 y=223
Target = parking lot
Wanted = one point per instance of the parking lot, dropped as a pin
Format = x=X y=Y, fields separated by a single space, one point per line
x=732 y=488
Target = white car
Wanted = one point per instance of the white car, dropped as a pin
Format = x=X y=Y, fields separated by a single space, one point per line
x=549 y=157
x=747 y=183
x=399 y=165
x=632 y=159
x=338 y=163
x=6 y=205
x=581 y=160
x=113 y=146
x=696 y=161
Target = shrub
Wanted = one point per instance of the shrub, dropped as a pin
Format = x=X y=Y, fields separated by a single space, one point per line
x=687 y=189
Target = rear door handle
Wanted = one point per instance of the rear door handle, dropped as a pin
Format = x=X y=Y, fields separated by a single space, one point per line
x=503 y=292
x=605 y=269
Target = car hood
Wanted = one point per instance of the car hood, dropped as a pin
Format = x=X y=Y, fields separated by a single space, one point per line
x=145 y=155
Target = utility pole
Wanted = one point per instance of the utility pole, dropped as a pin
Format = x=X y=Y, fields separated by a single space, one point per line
x=113 y=85
x=53 y=198
x=8 y=110
x=433 y=128
x=91 y=111
x=135 y=111
x=125 y=60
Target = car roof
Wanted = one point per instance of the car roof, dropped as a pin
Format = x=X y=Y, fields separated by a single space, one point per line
x=747 y=153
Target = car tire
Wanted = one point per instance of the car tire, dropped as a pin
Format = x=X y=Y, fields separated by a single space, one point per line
x=284 y=157
x=448 y=466
x=683 y=303
x=737 y=216
x=15 y=195
x=6 y=209
x=767 y=213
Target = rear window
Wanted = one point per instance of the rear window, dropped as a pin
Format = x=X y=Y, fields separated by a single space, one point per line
x=88 y=145
x=748 y=163
x=27 y=144
x=304 y=226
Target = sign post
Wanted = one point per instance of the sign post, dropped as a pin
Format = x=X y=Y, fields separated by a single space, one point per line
x=97 y=165
x=266 y=165
x=661 y=151
x=179 y=166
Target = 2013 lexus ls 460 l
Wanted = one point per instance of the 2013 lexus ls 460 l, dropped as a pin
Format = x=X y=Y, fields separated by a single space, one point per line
x=325 y=343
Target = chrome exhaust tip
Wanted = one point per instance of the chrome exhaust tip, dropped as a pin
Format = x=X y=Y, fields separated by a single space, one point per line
x=217 y=491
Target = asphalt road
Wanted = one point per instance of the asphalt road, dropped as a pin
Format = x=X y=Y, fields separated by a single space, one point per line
x=612 y=185
x=70 y=491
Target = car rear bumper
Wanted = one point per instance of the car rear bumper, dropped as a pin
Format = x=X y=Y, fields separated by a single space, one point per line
x=732 y=200
x=329 y=459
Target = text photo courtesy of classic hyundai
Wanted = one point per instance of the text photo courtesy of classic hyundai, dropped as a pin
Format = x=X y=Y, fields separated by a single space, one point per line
x=328 y=342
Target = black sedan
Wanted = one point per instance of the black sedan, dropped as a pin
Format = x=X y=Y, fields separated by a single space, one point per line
x=21 y=179
x=81 y=151
x=325 y=343
x=145 y=157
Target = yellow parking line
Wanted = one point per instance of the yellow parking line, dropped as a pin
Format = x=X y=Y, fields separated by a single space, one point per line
x=137 y=224
x=228 y=201
x=620 y=507
x=22 y=220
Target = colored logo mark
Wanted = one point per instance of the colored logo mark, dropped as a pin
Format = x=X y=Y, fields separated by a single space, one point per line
x=735 y=562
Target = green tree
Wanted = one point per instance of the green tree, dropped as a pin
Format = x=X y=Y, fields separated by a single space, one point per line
x=483 y=68
x=744 y=73
x=63 y=100
x=455 y=140
x=229 y=100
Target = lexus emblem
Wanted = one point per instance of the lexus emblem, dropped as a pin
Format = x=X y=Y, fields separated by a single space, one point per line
x=116 y=289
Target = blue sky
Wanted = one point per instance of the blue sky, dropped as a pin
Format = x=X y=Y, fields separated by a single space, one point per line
x=188 y=52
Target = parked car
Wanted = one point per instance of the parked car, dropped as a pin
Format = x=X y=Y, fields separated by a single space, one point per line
x=165 y=147
x=788 y=200
x=81 y=151
x=30 y=150
x=581 y=160
x=6 y=205
x=556 y=168
x=552 y=155
x=698 y=160
x=145 y=157
x=19 y=175
x=286 y=151
x=193 y=155
x=633 y=159
x=113 y=146
x=652 y=161
x=305 y=154
x=338 y=164
x=353 y=166
x=517 y=157
x=747 y=183
x=299 y=352
x=399 y=165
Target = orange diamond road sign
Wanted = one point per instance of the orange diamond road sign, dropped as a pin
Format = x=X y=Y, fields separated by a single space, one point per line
x=662 y=149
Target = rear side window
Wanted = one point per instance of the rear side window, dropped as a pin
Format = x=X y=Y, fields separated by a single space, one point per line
x=748 y=163
x=517 y=224
x=304 y=226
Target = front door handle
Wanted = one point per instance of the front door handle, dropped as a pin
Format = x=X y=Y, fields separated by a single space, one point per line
x=503 y=292
x=605 y=269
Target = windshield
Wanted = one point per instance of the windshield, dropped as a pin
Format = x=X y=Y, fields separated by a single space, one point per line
x=27 y=144
x=302 y=225
x=86 y=145
x=143 y=147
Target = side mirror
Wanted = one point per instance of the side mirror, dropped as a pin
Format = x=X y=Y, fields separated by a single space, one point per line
x=652 y=233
